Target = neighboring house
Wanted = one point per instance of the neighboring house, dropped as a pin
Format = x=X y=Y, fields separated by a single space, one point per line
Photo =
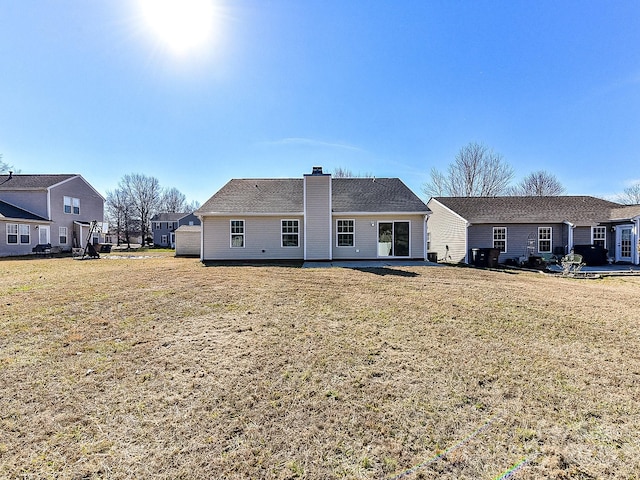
x=164 y=226
x=316 y=218
x=524 y=226
x=47 y=209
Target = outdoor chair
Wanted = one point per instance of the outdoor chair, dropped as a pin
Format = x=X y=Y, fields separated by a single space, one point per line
x=571 y=263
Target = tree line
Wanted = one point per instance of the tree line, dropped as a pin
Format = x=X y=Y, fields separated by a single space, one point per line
x=478 y=171
x=130 y=206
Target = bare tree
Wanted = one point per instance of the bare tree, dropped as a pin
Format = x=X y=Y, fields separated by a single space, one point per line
x=193 y=206
x=119 y=213
x=476 y=172
x=144 y=194
x=539 y=184
x=630 y=195
x=341 y=172
x=5 y=167
x=173 y=201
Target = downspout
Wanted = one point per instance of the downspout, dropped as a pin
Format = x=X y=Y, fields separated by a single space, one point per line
x=569 y=235
x=304 y=216
x=637 y=242
x=201 y=218
x=330 y=232
x=425 y=232
x=466 y=243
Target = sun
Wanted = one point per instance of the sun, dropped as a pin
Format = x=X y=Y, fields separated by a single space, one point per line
x=182 y=25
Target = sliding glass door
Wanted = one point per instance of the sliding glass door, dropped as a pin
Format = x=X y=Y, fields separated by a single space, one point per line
x=393 y=239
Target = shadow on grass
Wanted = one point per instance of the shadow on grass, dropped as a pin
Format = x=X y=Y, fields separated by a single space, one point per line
x=384 y=271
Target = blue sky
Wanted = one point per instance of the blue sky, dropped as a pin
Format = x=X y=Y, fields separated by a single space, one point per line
x=391 y=88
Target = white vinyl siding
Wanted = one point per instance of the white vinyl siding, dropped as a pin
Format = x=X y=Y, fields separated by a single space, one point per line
x=448 y=234
x=263 y=235
x=188 y=241
x=317 y=217
x=366 y=236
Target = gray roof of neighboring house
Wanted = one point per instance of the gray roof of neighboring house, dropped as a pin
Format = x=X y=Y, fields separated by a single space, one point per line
x=32 y=182
x=168 y=217
x=8 y=211
x=285 y=195
x=579 y=210
x=625 y=212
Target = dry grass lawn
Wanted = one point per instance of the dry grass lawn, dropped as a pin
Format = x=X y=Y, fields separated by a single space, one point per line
x=164 y=368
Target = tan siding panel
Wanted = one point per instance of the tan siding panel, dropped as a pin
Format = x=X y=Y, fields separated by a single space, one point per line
x=447 y=230
x=262 y=239
x=318 y=216
x=187 y=243
x=366 y=236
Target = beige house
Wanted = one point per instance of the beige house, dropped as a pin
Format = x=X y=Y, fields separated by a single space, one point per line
x=314 y=218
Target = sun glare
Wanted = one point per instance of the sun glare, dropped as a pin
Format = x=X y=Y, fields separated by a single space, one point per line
x=182 y=25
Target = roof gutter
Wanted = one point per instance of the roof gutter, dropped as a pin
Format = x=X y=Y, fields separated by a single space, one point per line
x=247 y=214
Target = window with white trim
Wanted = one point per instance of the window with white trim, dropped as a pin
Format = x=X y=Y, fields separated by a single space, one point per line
x=500 y=238
x=290 y=233
x=545 y=238
x=163 y=239
x=345 y=233
x=62 y=235
x=72 y=205
x=12 y=233
x=237 y=233
x=599 y=236
x=25 y=234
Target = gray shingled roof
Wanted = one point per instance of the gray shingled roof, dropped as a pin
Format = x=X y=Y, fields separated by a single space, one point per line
x=31 y=182
x=11 y=211
x=168 y=217
x=626 y=212
x=285 y=195
x=579 y=210
x=278 y=195
x=374 y=195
